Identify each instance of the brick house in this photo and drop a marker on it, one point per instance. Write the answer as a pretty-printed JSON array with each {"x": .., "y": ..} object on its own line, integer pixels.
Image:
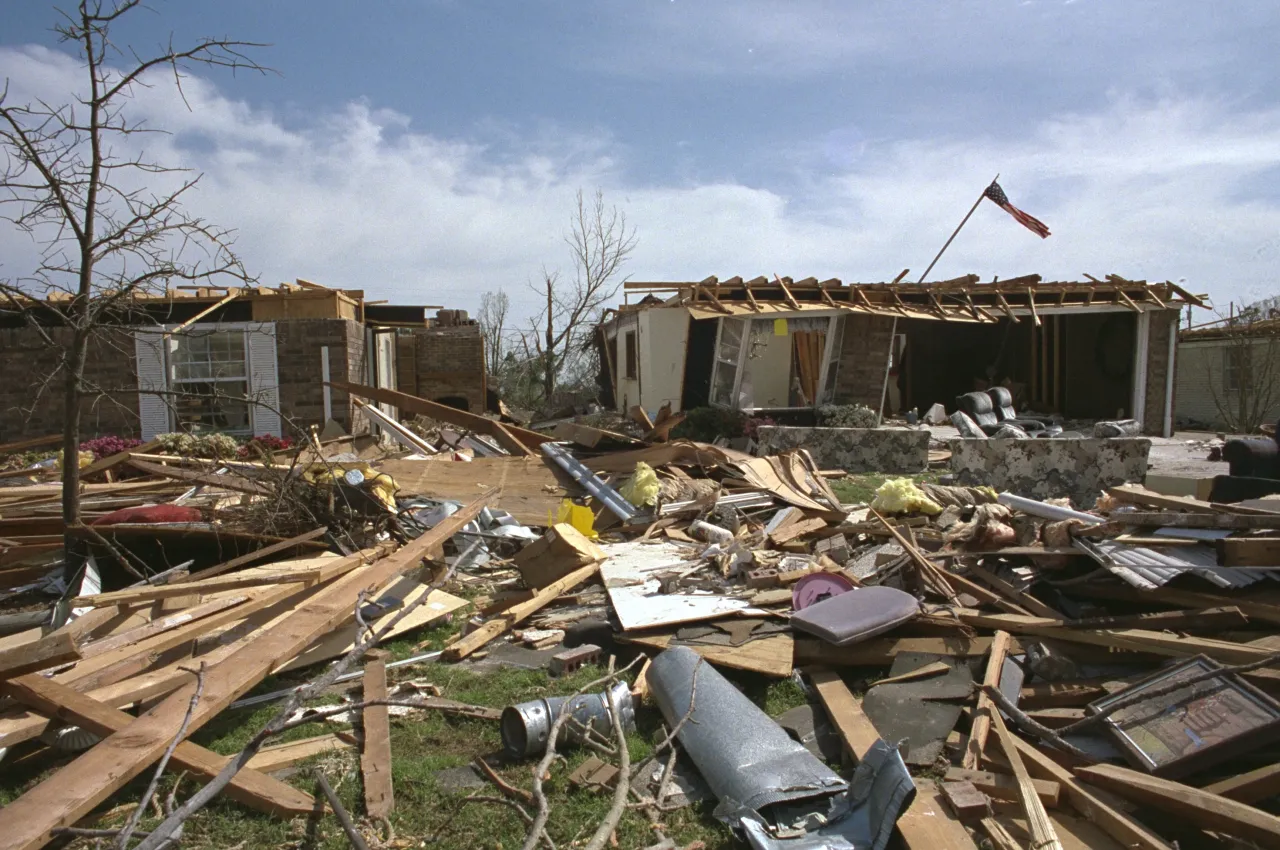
[
  {"x": 1087, "y": 350},
  {"x": 251, "y": 364},
  {"x": 1233, "y": 365}
]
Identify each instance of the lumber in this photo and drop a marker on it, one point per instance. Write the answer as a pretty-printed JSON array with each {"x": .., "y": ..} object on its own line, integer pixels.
[
  {"x": 73, "y": 791},
  {"x": 927, "y": 824},
  {"x": 1249, "y": 787},
  {"x": 524, "y": 438},
  {"x": 1201, "y": 619},
  {"x": 1194, "y": 805},
  {"x": 1124, "y": 829},
  {"x": 1136, "y": 494},
  {"x": 1002, "y": 786},
  {"x": 257, "y": 555},
  {"x": 33, "y": 443},
  {"x": 280, "y": 756},
  {"x": 226, "y": 482},
  {"x": 518, "y": 613},
  {"x": 375, "y": 757},
  {"x": 998, "y": 835},
  {"x": 982, "y": 720},
  {"x": 249, "y": 786},
  {"x": 1249, "y": 551},
  {"x": 50, "y": 650},
  {"x": 1024, "y": 599},
  {"x": 151, "y": 592},
  {"x": 1208, "y": 520},
  {"x": 1042, "y": 831},
  {"x": 159, "y": 625},
  {"x": 797, "y": 529}
]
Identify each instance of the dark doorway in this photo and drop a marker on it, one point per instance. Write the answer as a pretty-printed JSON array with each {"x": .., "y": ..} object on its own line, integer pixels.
[
  {"x": 699, "y": 358},
  {"x": 455, "y": 401}
]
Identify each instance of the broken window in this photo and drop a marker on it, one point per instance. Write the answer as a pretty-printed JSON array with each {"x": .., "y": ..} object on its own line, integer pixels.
[
  {"x": 629, "y": 356},
  {"x": 728, "y": 350},
  {"x": 209, "y": 375}
]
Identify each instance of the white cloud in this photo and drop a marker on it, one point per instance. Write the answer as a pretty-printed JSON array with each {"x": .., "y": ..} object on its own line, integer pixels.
[{"x": 358, "y": 198}]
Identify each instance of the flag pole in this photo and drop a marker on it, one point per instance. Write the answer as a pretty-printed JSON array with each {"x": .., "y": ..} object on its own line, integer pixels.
[{"x": 893, "y": 333}]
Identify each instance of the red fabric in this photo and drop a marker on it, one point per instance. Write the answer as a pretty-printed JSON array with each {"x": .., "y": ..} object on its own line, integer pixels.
[{"x": 150, "y": 514}]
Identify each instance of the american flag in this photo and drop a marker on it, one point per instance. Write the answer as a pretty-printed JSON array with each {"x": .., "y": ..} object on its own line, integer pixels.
[{"x": 1030, "y": 222}]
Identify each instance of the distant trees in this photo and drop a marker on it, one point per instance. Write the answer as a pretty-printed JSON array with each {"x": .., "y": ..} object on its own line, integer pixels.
[{"x": 555, "y": 350}]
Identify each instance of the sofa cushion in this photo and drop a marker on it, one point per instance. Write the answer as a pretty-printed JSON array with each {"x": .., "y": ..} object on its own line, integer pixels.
[{"x": 862, "y": 613}]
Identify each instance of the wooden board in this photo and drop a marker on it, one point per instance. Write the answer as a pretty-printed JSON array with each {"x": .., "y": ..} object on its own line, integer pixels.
[
  {"x": 882, "y": 651},
  {"x": 249, "y": 786},
  {"x": 1002, "y": 786},
  {"x": 769, "y": 656},
  {"x": 1249, "y": 787},
  {"x": 92, "y": 777},
  {"x": 927, "y": 824},
  {"x": 982, "y": 720},
  {"x": 56, "y": 648},
  {"x": 531, "y": 490},
  {"x": 1124, "y": 829},
  {"x": 280, "y": 756},
  {"x": 375, "y": 756},
  {"x": 1197, "y": 806},
  {"x": 1249, "y": 551}
]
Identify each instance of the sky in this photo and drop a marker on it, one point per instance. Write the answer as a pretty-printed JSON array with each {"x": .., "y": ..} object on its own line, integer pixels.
[{"x": 428, "y": 151}]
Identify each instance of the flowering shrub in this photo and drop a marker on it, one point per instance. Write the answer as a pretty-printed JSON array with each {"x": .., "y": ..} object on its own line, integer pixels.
[
  {"x": 751, "y": 426},
  {"x": 268, "y": 443},
  {"x": 108, "y": 445},
  {"x": 217, "y": 446}
]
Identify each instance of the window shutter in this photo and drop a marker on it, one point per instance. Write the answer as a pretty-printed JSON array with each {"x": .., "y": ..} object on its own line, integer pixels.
[
  {"x": 264, "y": 381},
  {"x": 153, "y": 410}
]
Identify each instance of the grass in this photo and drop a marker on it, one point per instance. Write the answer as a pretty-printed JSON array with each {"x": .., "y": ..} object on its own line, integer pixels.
[
  {"x": 422, "y": 743},
  {"x": 861, "y": 488}
]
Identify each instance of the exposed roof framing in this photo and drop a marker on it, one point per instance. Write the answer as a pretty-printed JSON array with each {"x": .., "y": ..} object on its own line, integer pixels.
[{"x": 962, "y": 299}]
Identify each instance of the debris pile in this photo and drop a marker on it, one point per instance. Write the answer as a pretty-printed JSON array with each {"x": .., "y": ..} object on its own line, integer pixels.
[{"x": 1000, "y": 669}]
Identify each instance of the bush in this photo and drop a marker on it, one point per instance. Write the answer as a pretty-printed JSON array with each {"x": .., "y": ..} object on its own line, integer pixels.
[
  {"x": 268, "y": 442},
  {"x": 108, "y": 445},
  {"x": 705, "y": 424},
  {"x": 846, "y": 416},
  {"x": 215, "y": 446}
]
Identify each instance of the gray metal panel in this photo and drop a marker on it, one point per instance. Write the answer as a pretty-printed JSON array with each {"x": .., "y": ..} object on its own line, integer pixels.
[{"x": 1148, "y": 567}]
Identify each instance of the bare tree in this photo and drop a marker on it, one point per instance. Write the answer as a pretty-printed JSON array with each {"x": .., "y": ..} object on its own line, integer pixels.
[
  {"x": 109, "y": 222},
  {"x": 493, "y": 324},
  {"x": 1245, "y": 383},
  {"x": 600, "y": 243}
]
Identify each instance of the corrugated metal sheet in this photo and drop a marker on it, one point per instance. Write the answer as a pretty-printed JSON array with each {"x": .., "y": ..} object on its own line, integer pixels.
[{"x": 1149, "y": 568}]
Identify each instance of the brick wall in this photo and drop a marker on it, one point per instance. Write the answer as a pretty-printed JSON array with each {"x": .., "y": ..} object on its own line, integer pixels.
[
  {"x": 299, "y": 344},
  {"x": 446, "y": 363},
  {"x": 862, "y": 359},
  {"x": 28, "y": 410},
  {"x": 1164, "y": 324}
]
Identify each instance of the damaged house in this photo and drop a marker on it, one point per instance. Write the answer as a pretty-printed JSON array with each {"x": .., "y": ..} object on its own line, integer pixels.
[
  {"x": 1230, "y": 374},
  {"x": 1087, "y": 350},
  {"x": 235, "y": 360}
]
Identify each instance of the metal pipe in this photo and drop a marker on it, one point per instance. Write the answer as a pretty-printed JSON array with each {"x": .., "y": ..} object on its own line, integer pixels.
[
  {"x": 526, "y": 727},
  {"x": 590, "y": 482},
  {"x": 1040, "y": 509}
]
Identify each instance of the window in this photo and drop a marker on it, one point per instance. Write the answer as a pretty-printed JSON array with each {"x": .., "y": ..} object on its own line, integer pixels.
[
  {"x": 208, "y": 372},
  {"x": 728, "y": 350},
  {"x": 630, "y": 355},
  {"x": 1237, "y": 364}
]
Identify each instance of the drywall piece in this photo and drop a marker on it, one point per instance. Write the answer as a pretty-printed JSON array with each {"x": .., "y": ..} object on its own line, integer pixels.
[{"x": 631, "y": 574}]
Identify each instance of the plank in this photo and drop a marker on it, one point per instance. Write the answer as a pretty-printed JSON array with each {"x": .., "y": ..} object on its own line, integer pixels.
[
  {"x": 1219, "y": 520},
  {"x": 92, "y": 777},
  {"x": 1024, "y": 599},
  {"x": 1255, "y": 608},
  {"x": 1043, "y": 834},
  {"x": 531, "y": 490},
  {"x": 882, "y": 651},
  {"x": 525, "y": 439},
  {"x": 1249, "y": 787},
  {"x": 518, "y": 613},
  {"x": 33, "y": 443},
  {"x": 982, "y": 720},
  {"x": 280, "y": 756},
  {"x": 159, "y": 625},
  {"x": 797, "y": 529},
  {"x": 228, "y": 481},
  {"x": 55, "y": 648},
  {"x": 768, "y": 656},
  {"x": 149, "y": 593},
  {"x": 1194, "y": 805},
  {"x": 249, "y": 786},
  {"x": 1124, "y": 829},
  {"x": 1136, "y": 494},
  {"x": 257, "y": 555},
  {"x": 1198, "y": 619},
  {"x": 1249, "y": 551},
  {"x": 927, "y": 824},
  {"x": 112, "y": 461},
  {"x": 1002, "y": 786},
  {"x": 375, "y": 757}
]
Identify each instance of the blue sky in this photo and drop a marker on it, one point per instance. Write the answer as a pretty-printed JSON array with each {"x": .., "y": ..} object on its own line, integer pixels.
[{"x": 429, "y": 150}]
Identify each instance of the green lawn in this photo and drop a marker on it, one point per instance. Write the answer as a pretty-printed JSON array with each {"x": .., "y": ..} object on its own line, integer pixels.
[{"x": 861, "y": 488}]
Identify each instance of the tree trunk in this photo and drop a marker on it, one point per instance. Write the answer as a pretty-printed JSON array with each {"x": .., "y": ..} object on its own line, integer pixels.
[
  {"x": 73, "y": 542},
  {"x": 549, "y": 367}
]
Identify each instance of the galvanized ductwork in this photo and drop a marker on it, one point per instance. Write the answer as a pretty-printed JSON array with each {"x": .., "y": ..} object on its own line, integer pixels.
[
  {"x": 527, "y": 726},
  {"x": 770, "y": 787}
]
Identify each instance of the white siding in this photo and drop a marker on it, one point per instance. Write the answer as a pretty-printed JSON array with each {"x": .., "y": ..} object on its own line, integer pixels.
[
  {"x": 1200, "y": 379},
  {"x": 264, "y": 381},
  {"x": 153, "y": 410},
  {"x": 664, "y": 335}
]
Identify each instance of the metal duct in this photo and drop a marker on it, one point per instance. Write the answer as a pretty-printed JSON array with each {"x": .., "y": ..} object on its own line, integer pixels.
[
  {"x": 751, "y": 765},
  {"x": 527, "y": 726}
]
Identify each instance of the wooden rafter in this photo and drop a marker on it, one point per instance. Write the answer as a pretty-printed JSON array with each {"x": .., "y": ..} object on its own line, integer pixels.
[
  {"x": 715, "y": 302},
  {"x": 826, "y": 296},
  {"x": 755, "y": 305},
  {"x": 1120, "y": 296},
  {"x": 1004, "y": 305},
  {"x": 900, "y": 306},
  {"x": 901, "y": 275},
  {"x": 1031, "y": 302},
  {"x": 786, "y": 293},
  {"x": 938, "y": 308}
]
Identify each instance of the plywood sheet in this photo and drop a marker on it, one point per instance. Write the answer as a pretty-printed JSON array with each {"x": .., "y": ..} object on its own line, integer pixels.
[
  {"x": 630, "y": 574},
  {"x": 770, "y": 656},
  {"x": 531, "y": 490}
]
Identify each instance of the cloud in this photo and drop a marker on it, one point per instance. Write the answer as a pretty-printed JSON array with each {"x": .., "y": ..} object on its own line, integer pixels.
[{"x": 357, "y": 197}]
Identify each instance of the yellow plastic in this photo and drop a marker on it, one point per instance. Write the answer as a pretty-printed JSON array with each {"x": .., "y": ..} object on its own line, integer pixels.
[
  {"x": 579, "y": 516},
  {"x": 643, "y": 487},
  {"x": 380, "y": 484}
]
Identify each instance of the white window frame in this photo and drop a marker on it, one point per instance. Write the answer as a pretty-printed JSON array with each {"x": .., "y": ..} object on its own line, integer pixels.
[
  {"x": 832, "y": 316},
  {"x": 261, "y": 420}
]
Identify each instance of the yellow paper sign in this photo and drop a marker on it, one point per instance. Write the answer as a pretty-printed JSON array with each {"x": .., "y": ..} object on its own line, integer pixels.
[{"x": 779, "y": 327}]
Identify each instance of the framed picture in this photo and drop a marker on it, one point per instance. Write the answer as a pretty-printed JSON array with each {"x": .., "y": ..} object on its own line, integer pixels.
[{"x": 1191, "y": 728}]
